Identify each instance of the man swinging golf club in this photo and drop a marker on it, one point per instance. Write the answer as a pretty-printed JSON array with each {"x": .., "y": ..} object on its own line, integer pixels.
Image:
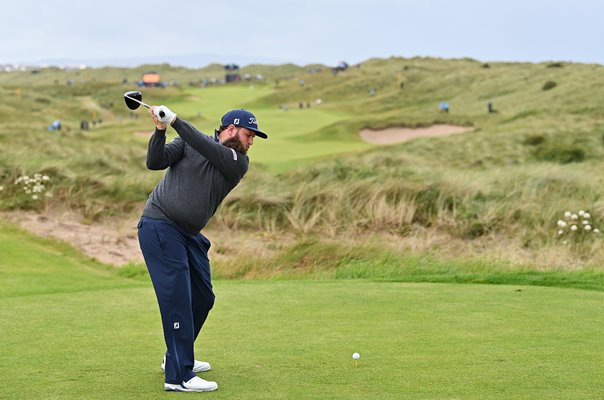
[{"x": 201, "y": 171}]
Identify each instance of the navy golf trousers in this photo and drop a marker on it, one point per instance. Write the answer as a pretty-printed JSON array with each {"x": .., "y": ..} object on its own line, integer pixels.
[{"x": 180, "y": 271}]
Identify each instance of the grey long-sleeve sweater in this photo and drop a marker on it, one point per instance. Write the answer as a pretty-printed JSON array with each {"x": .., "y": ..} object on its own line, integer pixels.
[{"x": 201, "y": 172}]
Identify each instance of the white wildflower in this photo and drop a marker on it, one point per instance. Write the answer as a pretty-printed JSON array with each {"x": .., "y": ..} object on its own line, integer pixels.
[
  {"x": 587, "y": 227},
  {"x": 581, "y": 212},
  {"x": 560, "y": 232},
  {"x": 587, "y": 216},
  {"x": 45, "y": 178},
  {"x": 585, "y": 222},
  {"x": 596, "y": 230},
  {"x": 1, "y": 188},
  {"x": 561, "y": 223},
  {"x": 567, "y": 214},
  {"x": 573, "y": 227},
  {"x": 574, "y": 216}
]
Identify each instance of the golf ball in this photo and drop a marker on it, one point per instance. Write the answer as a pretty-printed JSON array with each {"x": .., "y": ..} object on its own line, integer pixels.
[{"x": 356, "y": 356}]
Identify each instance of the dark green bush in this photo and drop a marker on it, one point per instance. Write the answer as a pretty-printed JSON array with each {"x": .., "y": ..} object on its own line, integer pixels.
[
  {"x": 549, "y": 85},
  {"x": 426, "y": 201},
  {"x": 534, "y": 140},
  {"x": 555, "y": 65},
  {"x": 475, "y": 230},
  {"x": 560, "y": 153}
]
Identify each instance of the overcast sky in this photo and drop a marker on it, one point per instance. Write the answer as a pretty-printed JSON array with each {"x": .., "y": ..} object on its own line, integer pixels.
[{"x": 302, "y": 32}]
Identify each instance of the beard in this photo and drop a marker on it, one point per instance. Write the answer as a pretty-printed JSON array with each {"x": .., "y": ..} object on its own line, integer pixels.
[{"x": 235, "y": 144}]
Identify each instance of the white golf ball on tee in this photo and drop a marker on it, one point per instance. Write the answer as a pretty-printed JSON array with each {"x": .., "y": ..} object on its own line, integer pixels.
[{"x": 356, "y": 356}]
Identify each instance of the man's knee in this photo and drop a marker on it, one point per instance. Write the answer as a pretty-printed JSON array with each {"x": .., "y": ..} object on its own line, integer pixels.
[
  {"x": 210, "y": 301},
  {"x": 204, "y": 304}
]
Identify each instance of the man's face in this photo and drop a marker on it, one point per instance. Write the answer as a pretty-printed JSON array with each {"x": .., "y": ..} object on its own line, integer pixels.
[{"x": 240, "y": 140}]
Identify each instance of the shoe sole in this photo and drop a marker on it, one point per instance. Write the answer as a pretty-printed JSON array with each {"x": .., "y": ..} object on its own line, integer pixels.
[{"x": 169, "y": 387}]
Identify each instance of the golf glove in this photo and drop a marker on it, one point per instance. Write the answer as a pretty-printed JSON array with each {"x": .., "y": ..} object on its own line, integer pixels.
[{"x": 164, "y": 114}]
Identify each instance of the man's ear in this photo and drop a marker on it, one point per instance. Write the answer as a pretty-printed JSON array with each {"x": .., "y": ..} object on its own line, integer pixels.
[{"x": 232, "y": 130}]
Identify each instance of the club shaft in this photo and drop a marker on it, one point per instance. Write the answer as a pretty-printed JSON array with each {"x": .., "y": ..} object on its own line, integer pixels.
[
  {"x": 161, "y": 113},
  {"x": 139, "y": 102}
]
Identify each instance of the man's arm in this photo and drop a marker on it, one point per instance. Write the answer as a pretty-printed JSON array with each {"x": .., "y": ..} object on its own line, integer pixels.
[
  {"x": 161, "y": 155},
  {"x": 232, "y": 164}
]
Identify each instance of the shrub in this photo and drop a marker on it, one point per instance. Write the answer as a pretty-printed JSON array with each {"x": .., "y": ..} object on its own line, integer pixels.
[
  {"x": 534, "y": 140},
  {"x": 549, "y": 85},
  {"x": 476, "y": 230},
  {"x": 560, "y": 153},
  {"x": 26, "y": 192},
  {"x": 555, "y": 65},
  {"x": 576, "y": 226}
]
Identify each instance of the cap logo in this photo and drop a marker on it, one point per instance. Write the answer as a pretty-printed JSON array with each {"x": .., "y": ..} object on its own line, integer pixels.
[
  {"x": 236, "y": 121},
  {"x": 253, "y": 121}
]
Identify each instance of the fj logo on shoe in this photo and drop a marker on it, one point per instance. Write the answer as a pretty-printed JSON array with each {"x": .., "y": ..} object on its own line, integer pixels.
[{"x": 176, "y": 325}]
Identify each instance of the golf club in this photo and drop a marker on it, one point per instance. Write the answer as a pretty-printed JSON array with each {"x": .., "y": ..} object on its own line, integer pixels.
[{"x": 134, "y": 99}]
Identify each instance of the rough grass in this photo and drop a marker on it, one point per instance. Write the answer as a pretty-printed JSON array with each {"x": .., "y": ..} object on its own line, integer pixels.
[{"x": 315, "y": 177}]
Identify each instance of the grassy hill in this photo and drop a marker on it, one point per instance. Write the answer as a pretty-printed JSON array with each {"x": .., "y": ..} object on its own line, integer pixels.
[{"x": 493, "y": 194}]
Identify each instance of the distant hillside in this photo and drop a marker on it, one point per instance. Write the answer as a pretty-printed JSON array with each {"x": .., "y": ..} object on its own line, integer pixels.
[
  {"x": 114, "y": 75},
  {"x": 498, "y": 190}
]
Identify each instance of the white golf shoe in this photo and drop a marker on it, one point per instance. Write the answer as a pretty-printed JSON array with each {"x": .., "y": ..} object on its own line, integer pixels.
[
  {"x": 199, "y": 366},
  {"x": 195, "y": 384}
]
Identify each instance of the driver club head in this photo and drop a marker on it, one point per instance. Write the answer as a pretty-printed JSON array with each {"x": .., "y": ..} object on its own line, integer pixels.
[{"x": 133, "y": 99}]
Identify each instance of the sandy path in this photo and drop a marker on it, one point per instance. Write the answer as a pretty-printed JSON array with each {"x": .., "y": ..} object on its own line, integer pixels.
[
  {"x": 399, "y": 135},
  {"x": 113, "y": 242}
]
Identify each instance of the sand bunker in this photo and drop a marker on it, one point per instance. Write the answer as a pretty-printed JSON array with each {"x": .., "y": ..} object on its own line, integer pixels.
[{"x": 399, "y": 135}]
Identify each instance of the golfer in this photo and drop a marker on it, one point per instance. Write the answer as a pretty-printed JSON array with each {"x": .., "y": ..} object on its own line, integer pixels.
[{"x": 202, "y": 170}]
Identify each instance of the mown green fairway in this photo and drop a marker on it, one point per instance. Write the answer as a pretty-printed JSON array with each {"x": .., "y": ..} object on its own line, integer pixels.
[
  {"x": 99, "y": 336},
  {"x": 289, "y": 131}
]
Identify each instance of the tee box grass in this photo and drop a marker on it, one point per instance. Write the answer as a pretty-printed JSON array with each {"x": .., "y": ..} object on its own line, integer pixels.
[{"x": 86, "y": 332}]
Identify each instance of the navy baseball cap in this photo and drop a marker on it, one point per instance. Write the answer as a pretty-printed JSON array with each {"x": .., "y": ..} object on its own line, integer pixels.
[{"x": 244, "y": 119}]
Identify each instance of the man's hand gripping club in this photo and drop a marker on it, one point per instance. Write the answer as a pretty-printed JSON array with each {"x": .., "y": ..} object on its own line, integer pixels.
[{"x": 162, "y": 116}]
